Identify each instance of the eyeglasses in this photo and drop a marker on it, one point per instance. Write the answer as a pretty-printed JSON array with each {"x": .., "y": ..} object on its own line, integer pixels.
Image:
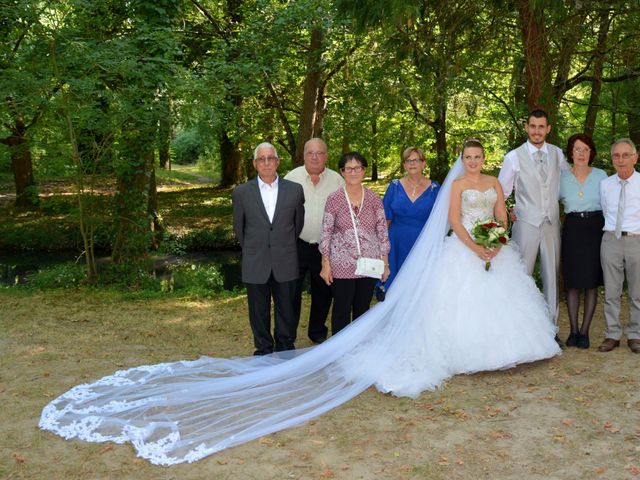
[
  {"x": 270, "y": 159},
  {"x": 316, "y": 154},
  {"x": 412, "y": 161},
  {"x": 357, "y": 169},
  {"x": 624, "y": 156},
  {"x": 581, "y": 150}
]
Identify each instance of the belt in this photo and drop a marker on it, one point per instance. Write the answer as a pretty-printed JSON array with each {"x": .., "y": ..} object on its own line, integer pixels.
[{"x": 595, "y": 213}]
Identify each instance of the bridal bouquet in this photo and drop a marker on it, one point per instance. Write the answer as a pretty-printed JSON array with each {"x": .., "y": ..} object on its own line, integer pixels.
[{"x": 489, "y": 234}]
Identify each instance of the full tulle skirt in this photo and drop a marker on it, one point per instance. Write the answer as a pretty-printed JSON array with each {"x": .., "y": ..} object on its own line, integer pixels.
[{"x": 473, "y": 320}]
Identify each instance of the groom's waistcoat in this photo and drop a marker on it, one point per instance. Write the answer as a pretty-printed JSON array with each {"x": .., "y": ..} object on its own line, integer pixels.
[{"x": 537, "y": 199}]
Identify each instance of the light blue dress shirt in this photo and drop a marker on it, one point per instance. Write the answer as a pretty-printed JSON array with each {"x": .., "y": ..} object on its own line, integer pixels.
[{"x": 581, "y": 197}]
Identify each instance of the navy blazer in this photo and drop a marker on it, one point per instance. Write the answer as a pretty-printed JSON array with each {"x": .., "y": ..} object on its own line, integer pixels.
[{"x": 268, "y": 246}]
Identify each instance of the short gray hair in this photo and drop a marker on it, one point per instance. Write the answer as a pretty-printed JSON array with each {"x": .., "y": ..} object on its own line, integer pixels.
[
  {"x": 627, "y": 141},
  {"x": 315, "y": 139},
  {"x": 264, "y": 145}
]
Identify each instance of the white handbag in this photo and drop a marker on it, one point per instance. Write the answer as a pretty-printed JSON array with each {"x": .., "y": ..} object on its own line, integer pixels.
[
  {"x": 367, "y": 267},
  {"x": 370, "y": 267}
]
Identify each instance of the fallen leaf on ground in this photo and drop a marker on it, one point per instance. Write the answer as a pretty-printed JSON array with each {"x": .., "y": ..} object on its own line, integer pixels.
[
  {"x": 610, "y": 428},
  {"x": 19, "y": 458}
]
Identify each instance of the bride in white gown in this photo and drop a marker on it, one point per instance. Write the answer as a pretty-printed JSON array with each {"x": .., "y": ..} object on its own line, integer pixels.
[{"x": 444, "y": 315}]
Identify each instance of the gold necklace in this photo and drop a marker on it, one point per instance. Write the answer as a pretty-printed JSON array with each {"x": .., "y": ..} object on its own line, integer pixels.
[{"x": 581, "y": 183}]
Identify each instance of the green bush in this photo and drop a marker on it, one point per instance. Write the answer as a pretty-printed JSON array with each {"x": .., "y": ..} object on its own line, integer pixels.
[
  {"x": 133, "y": 277},
  {"x": 186, "y": 147},
  {"x": 64, "y": 275},
  {"x": 197, "y": 240},
  {"x": 201, "y": 279}
]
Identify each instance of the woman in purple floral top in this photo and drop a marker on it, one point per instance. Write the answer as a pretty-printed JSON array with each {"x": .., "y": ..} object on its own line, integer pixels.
[{"x": 352, "y": 293}]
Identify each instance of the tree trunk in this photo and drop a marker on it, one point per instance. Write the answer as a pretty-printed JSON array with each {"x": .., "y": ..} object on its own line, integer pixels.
[
  {"x": 439, "y": 170},
  {"x": 632, "y": 90},
  {"x": 596, "y": 85},
  {"x": 22, "y": 166},
  {"x": 152, "y": 210},
  {"x": 231, "y": 158},
  {"x": 374, "y": 149},
  {"x": 311, "y": 97},
  {"x": 133, "y": 224},
  {"x": 164, "y": 136},
  {"x": 441, "y": 166},
  {"x": 537, "y": 71}
]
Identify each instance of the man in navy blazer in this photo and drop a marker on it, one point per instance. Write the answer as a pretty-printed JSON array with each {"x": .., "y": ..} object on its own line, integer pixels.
[{"x": 268, "y": 216}]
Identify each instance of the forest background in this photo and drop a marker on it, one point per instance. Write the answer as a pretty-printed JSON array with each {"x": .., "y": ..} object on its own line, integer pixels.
[{"x": 100, "y": 99}]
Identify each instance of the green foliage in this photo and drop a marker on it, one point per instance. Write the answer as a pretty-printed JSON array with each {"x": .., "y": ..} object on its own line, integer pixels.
[
  {"x": 187, "y": 147},
  {"x": 98, "y": 76},
  {"x": 65, "y": 275},
  {"x": 203, "y": 280},
  {"x": 193, "y": 280},
  {"x": 198, "y": 240}
]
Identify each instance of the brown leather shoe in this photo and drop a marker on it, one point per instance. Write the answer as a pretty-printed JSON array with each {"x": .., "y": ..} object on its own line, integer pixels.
[
  {"x": 634, "y": 345},
  {"x": 609, "y": 344}
]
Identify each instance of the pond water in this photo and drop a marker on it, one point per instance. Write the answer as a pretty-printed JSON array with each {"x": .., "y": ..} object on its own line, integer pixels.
[{"x": 17, "y": 267}]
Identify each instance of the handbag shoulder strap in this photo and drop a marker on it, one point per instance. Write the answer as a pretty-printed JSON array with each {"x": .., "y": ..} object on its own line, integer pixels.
[{"x": 353, "y": 218}]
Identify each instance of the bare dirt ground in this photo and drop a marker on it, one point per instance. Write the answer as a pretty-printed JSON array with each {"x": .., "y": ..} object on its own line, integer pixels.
[{"x": 575, "y": 416}]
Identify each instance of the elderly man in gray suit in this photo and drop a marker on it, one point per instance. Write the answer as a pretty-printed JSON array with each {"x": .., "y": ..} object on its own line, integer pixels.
[
  {"x": 533, "y": 172},
  {"x": 268, "y": 216}
]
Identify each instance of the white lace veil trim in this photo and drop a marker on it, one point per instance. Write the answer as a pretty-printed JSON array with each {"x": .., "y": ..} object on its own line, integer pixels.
[{"x": 183, "y": 411}]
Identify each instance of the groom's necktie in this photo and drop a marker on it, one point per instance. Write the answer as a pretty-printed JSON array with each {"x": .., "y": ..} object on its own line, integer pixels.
[
  {"x": 541, "y": 163},
  {"x": 621, "y": 201}
]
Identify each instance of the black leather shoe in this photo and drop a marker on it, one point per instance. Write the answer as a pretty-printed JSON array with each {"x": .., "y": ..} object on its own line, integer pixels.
[
  {"x": 572, "y": 340},
  {"x": 560, "y": 342},
  {"x": 583, "y": 341}
]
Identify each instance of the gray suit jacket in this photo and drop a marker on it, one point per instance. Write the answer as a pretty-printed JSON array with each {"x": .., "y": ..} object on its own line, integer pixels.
[{"x": 268, "y": 247}]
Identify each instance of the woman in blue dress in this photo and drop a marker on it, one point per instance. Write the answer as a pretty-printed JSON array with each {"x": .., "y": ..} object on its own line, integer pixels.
[{"x": 407, "y": 205}]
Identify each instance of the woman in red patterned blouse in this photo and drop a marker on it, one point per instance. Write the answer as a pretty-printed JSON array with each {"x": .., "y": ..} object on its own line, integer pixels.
[{"x": 352, "y": 293}]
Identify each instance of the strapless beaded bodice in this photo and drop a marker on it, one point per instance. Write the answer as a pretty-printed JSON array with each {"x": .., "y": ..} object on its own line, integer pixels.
[{"x": 477, "y": 205}]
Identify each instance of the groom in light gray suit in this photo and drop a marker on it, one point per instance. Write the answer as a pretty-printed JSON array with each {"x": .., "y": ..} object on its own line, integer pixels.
[
  {"x": 268, "y": 216},
  {"x": 533, "y": 171}
]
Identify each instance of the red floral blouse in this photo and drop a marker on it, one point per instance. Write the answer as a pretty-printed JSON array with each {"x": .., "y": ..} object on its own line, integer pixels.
[{"x": 338, "y": 241}]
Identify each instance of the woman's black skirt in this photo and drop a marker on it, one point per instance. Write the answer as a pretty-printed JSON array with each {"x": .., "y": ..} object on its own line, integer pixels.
[{"x": 580, "y": 254}]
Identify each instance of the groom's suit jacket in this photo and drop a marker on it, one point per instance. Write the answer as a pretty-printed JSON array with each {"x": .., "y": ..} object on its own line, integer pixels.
[{"x": 268, "y": 247}]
